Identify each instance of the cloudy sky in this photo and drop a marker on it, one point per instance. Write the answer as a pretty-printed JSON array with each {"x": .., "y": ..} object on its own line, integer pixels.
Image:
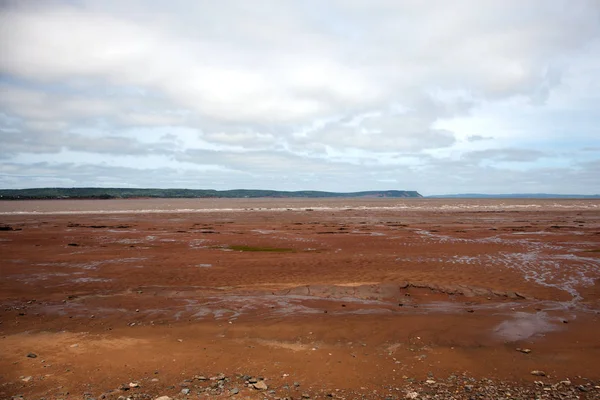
[{"x": 343, "y": 95}]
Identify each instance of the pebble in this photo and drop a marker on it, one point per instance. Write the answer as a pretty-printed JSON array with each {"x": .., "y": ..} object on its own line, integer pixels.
[
  {"x": 538, "y": 373},
  {"x": 134, "y": 385},
  {"x": 185, "y": 391},
  {"x": 27, "y": 378},
  {"x": 163, "y": 398},
  {"x": 235, "y": 391},
  {"x": 526, "y": 351},
  {"x": 32, "y": 355},
  {"x": 260, "y": 385}
]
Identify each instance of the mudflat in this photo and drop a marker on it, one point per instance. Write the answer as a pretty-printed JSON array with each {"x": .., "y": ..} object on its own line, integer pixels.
[{"x": 342, "y": 298}]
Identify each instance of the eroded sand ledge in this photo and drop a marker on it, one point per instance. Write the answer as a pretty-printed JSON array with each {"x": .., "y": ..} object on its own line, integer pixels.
[{"x": 361, "y": 296}]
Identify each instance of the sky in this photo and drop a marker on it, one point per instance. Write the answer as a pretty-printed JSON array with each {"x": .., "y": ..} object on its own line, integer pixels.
[{"x": 465, "y": 96}]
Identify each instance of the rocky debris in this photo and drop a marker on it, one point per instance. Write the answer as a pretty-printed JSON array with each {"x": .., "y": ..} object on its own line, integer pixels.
[
  {"x": 134, "y": 385},
  {"x": 32, "y": 355},
  {"x": 538, "y": 373},
  {"x": 456, "y": 387}
]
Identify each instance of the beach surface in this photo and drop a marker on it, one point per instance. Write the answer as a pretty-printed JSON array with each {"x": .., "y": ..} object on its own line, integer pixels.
[{"x": 321, "y": 298}]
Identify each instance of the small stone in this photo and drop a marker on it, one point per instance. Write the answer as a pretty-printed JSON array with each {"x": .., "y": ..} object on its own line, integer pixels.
[
  {"x": 538, "y": 373},
  {"x": 27, "y": 378},
  {"x": 163, "y": 398},
  {"x": 235, "y": 391},
  {"x": 305, "y": 396},
  {"x": 32, "y": 355},
  {"x": 134, "y": 385},
  {"x": 260, "y": 385},
  {"x": 296, "y": 384},
  {"x": 526, "y": 351},
  {"x": 412, "y": 395},
  {"x": 185, "y": 391},
  {"x": 154, "y": 380},
  {"x": 430, "y": 382},
  {"x": 74, "y": 345}
]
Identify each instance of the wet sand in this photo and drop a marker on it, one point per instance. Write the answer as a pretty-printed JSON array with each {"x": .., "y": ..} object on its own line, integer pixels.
[{"x": 370, "y": 297}]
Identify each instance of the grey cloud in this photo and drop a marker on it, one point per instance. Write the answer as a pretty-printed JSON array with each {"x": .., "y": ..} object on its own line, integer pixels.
[
  {"x": 43, "y": 142},
  {"x": 476, "y": 138},
  {"x": 509, "y": 155}
]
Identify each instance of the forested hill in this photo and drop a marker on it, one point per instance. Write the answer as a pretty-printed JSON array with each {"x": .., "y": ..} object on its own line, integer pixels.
[{"x": 124, "y": 193}]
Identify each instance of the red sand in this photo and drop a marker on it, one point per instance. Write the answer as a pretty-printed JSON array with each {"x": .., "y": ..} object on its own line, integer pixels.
[{"x": 348, "y": 294}]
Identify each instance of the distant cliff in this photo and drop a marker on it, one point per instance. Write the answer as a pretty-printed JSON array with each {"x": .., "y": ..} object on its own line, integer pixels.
[{"x": 124, "y": 193}]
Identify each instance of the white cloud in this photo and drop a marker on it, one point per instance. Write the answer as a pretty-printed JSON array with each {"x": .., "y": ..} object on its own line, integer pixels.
[{"x": 399, "y": 83}]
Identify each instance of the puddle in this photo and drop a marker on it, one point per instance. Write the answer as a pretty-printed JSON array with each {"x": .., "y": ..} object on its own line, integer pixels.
[{"x": 524, "y": 326}]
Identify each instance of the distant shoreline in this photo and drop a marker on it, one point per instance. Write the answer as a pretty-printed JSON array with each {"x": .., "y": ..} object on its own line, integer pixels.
[{"x": 125, "y": 193}]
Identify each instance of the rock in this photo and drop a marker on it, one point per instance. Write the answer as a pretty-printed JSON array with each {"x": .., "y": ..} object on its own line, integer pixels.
[
  {"x": 201, "y": 378},
  {"x": 538, "y": 373},
  {"x": 32, "y": 355},
  {"x": 526, "y": 351},
  {"x": 235, "y": 391},
  {"x": 430, "y": 382},
  {"x": 468, "y": 388},
  {"x": 260, "y": 385},
  {"x": 296, "y": 384},
  {"x": 185, "y": 391},
  {"x": 163, "y": 398},
  {"x": 27, "y": 378},
  {"x": 412, "y": 395},
  {"x": 134, "y": 385},
  {"x": 252, "y": 380},
  {"x": 305, "y": 396}
]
